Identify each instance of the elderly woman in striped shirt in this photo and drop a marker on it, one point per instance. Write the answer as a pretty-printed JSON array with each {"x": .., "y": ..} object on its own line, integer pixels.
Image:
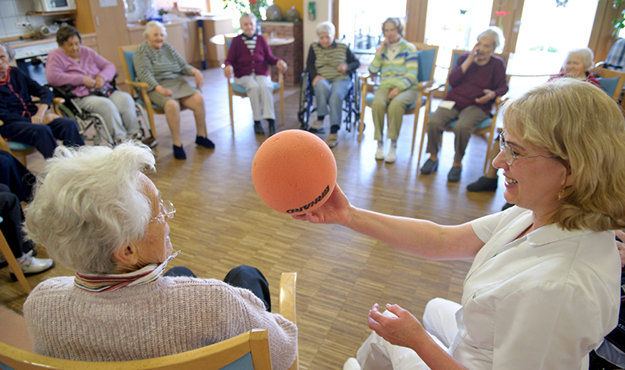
[
  {"x": 330, "y": 65},
  {"x": 159, "y": 65},
  {"x": 396, "y": 61}
]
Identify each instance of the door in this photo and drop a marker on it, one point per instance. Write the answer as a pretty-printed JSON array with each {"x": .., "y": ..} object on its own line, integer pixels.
[{"x": 109, "y": 23}]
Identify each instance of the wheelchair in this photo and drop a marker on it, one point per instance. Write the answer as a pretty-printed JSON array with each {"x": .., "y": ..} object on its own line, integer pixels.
[
  {"x": 351, "y": 104},
  {"x": 92, "y": 126}
]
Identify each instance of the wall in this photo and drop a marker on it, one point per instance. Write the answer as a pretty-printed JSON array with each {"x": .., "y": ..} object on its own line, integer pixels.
[
  {"x": 324, "y": 13},
  {"x": 14, "y": 11},
  {"x": 287, "y": 4}
]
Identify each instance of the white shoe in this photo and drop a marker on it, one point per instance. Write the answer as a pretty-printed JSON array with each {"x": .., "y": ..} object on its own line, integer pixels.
[
  {"x": 351, "y": 364},
  {"x": 379, "y": 154},
  {"x": 31, "y": 265},
  {"x": 392, "y": 155},
  {"x": 332, "y": 140},
  {"x": 317, "y": 126}
]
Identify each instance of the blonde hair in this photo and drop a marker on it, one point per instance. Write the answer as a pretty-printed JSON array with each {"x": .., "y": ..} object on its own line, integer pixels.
[{"x": 581, "y": 125}]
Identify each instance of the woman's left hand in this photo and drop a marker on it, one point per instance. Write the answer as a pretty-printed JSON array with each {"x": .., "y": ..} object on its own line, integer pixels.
[
  {"x": 393, "y": 93},
  {"x": 403, "y": 330},
  {"x": 99, "y": 82},
  {"x": 199, "y": 78},
  {"x": 282, "y": 66}
]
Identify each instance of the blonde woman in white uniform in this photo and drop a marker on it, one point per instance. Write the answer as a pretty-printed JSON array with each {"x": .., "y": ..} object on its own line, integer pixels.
[{"x": 543, "y": 289}]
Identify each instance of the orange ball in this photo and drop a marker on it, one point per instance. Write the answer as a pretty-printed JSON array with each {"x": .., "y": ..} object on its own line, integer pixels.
[{"x": 294, "y": 172}]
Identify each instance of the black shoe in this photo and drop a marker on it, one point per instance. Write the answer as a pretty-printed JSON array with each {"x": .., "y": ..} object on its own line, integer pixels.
[
  {"x": 272, "y": 128},
  {"x": 454, "y": 174},
  {"x": 506, "y": 206},
  {"x": 429, "y": 166},
  {"x": 179, "y": 152},
  {"x": 205, "y": 142},
  {"x": 258, "y": 128},
  {"x": 483, "y": 184}
]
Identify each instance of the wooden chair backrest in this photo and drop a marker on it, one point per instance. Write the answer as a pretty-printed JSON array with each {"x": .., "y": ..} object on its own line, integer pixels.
[
  {"x": 125, "y": 54},
  {"x": 249, "y": 350},
  {"x": 611, "y": 82}
]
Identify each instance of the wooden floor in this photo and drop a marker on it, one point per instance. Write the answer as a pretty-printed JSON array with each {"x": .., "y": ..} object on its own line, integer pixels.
[{"x": 221, "y": 223}]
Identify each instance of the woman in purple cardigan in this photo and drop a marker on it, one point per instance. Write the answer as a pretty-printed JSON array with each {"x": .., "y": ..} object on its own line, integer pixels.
[
  {"x": 88, "y": 73},
  {"x": 248, "y": 57}
]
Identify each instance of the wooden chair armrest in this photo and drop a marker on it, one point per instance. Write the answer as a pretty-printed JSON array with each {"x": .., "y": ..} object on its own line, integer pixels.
[
  {"x": 280, "y": 78},
  {"x": 288, "y": 282},
  {"x": 425, "y": 84},
  {"x": 58, "y": 100},
  {"x": 434, "y": 88}
]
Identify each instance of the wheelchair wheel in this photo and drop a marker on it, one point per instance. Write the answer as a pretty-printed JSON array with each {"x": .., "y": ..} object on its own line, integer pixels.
[{"x": 304, "y": 111}]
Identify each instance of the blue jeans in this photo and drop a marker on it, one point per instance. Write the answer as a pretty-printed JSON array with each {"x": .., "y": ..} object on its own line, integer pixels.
[{"x": 332, "y": 94}]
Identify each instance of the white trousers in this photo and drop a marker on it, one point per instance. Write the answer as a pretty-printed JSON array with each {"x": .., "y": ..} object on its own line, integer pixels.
[
  {"x": 260, "y": 91},
  {"x": 439, "y": 320},
  {"x": 118, "y": 112}
]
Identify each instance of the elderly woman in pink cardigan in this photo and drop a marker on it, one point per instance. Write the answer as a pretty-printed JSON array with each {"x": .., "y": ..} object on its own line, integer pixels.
[
  {"x": 88, "y": 73},
  {"x": 248, "y": 57}
]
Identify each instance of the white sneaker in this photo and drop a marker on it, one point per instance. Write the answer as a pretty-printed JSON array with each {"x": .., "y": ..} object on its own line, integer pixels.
[
  {"x": 351, "y": 364},
  {"x": 332, "y": 140},
  {"x": 379, "y": 154},
  {"x": 392, "y": 155},
  {"x": 317, "y": 126},
  {"x": 32, "y": 265}
]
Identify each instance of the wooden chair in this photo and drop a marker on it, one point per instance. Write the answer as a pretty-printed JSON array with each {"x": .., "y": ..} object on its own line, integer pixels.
[
  {"x": 238, "y": 90},
  {"x": 8, "y": 255},
  {"x": 483, "y": 128},
  {"x": 611, "y": 82},
  {"x": 427, "y": 62},
  {"x": 246, "y": 351}
]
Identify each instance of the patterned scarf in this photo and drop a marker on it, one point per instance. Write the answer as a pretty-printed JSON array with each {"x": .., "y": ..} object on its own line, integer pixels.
[{"x": 107, "y": 283}]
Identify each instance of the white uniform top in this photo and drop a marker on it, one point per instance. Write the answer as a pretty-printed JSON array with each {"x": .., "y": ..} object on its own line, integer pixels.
[{"x": 540, "y": 302}]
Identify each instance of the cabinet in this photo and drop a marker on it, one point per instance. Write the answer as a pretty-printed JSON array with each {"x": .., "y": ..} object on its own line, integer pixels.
[{"x": 109, "y": 25}]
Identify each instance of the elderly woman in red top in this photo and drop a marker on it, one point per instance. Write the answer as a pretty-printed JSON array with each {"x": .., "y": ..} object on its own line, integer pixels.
[{"x": 248, "y": 57}]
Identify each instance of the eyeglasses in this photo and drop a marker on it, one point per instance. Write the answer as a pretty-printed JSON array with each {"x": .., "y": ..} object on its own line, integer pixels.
[
  {"x": 509, "y": 155},
  {"x": 167, "y": 210}
]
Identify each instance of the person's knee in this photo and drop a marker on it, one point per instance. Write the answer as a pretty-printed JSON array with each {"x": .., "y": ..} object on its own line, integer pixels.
[
  {"x": 172, "y": 106},
  {"x": 378, "y": 104}
]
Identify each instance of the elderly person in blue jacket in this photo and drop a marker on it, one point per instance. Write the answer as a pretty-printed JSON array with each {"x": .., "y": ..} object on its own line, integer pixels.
[
  {"x": 330, "y": 65},
  {"x": 26, "y": 122}
]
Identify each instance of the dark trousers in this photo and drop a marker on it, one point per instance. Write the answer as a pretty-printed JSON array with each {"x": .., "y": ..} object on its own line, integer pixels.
[
  {"x": 11, "y": 225},
  {"x": 14, "y": 175},
  {"x": 43, "y": 137},
  {"x": 246, "y": 277}
]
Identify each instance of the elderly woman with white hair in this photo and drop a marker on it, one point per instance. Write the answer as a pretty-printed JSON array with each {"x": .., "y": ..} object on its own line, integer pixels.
[
  {"x": 248, "y": 58},
  {"x": 97, "y": 212},
  {"x": 577, "y": 65},
  {"x": 330, "y": 65},
  {"x": 397, "y": 62},
  {"x": 543, "y": 289},
  {"x": 478, "y": 78},
  {"x": 159, "y": 65}
]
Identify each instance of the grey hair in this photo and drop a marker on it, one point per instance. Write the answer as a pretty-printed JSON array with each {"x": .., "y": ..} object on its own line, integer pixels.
[
  {"x": 584, "y": 53},
  {"x": 324, "y": 27},
  {"x": 9, "y": 50},
  {"x": 88, "y": 204},
  {"x": 152, "y": 24},
  {"x": 397, "y": 22},
  {"x": 249, "y": 15},
  {"x": 497, "y": 35}
]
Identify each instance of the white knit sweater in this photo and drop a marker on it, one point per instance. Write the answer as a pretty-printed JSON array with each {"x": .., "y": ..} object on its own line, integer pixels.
[{"x": 167, "y": 316}]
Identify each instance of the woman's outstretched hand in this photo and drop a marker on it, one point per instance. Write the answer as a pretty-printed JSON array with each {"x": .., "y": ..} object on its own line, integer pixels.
[{"x": 334, "y": 211}]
